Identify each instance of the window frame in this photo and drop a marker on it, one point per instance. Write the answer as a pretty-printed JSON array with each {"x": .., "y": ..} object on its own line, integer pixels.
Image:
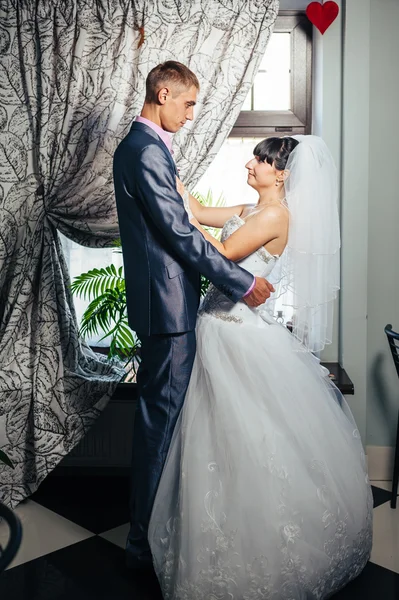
[{"x": 298, "y": 120}]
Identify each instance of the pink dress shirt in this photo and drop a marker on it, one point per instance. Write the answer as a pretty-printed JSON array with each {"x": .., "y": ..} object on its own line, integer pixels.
[{"x": 164, "y": 135}]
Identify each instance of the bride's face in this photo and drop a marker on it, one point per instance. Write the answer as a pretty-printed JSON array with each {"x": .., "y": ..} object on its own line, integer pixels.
[{"x": 260, "y": 174}]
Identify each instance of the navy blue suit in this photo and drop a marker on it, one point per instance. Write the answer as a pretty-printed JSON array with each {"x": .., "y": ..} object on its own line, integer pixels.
[{"x": 163, "y": 257}]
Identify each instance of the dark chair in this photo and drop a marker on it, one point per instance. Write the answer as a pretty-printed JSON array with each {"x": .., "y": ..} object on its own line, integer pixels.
[
  {"x": 15, "y": 537},
  {"x": 393, "y": 340}
]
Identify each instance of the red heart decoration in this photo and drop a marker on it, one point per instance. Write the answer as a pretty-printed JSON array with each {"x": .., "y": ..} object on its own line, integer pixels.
[{"x": 322, "y": 15}]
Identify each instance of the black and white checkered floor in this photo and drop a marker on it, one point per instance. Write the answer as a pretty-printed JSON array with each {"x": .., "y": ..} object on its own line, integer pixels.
[{"x": 75, "y": 530}]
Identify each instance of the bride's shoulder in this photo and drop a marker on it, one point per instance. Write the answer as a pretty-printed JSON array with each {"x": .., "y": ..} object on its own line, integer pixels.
[{"x": 277, "y": 212}]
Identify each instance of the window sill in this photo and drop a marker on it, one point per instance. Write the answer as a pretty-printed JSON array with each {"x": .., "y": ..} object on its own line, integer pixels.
[{"x": 341, "y": 378}]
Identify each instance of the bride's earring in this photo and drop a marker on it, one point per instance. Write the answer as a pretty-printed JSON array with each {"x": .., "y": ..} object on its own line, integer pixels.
[{"x": 281, "y": 180}]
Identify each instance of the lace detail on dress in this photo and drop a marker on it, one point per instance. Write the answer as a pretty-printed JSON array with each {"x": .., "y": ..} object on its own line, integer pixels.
[
  {"x": 226, "y": 317},
  {"x": 265, "y": 255},
  {"x": 213, "y": 300},
  {"x": 227, "y": 574},
  {"x": 215, "y": 303}
]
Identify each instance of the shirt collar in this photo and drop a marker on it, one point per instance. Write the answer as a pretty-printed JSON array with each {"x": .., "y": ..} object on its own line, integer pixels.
[{"x": 164, "y": 135}]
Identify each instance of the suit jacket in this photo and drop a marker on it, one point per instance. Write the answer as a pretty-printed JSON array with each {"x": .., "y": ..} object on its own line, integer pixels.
[{"x": 163, "y": 253}]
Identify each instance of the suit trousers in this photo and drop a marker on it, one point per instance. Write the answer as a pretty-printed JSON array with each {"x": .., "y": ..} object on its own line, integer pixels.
[{"x": 162, "y": 379}]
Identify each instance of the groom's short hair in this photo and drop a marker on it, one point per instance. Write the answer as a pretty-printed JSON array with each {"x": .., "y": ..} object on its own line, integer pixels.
[{"x": 170, "y": 72}]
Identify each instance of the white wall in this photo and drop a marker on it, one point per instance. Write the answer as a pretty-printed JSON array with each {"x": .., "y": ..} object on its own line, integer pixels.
[
  {"x": 369, "y": 212},
  {"x": 354, "y": 202},
  {"x": 326, "y": 117},
  {"x": 383, "y": 222}
]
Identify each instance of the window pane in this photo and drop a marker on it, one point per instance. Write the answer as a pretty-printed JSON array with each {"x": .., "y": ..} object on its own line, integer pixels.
[
  {"x": 227, "y": 176},
  {"x": 272, "y": 84},
  {"x": 247, "y": 101},
  {"x": 80, "y": 260}
]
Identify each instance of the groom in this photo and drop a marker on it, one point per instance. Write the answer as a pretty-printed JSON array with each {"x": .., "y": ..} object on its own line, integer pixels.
[{"x": 163, "y": 258}]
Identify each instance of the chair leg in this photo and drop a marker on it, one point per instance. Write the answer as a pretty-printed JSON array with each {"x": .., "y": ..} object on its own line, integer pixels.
[{"x": 395, "y": 476}]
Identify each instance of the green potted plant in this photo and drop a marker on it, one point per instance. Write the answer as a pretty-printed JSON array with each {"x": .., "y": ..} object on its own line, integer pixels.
[{"x": 107, "y": 313}]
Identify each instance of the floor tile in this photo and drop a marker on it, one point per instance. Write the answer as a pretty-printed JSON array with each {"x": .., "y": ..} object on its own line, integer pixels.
[
  {"x": 90, "y": 570},
  {"x": 374, "y": 583},
  {"x": 96, "y": 503},
  {"x": 43, "y": 531},
  {"x": 118, "y": 535},
  {"x": 386, "y": 537}
]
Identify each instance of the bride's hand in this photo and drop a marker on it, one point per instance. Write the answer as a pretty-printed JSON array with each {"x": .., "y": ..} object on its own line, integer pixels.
[
  {"x": 180, "y": 186},
  {"x": 185, "y": 195}
]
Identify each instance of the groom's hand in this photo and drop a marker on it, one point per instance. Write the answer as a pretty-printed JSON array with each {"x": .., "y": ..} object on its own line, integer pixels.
[{"x": 260, "y": 293}]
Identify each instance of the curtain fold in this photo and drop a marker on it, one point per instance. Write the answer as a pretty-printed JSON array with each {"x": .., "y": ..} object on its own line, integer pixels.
[{"x": 72, "y": 78}]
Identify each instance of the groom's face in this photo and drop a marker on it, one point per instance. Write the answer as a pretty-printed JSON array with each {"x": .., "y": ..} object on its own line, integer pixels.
[{"x": 177, "y": 106}]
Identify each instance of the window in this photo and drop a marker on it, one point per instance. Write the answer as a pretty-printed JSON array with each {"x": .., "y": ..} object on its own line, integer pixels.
[{"x": 280, "y": 98}]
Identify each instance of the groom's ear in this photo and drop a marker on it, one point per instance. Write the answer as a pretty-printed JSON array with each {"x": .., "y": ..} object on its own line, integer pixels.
[{"x": 162, "y": 95}]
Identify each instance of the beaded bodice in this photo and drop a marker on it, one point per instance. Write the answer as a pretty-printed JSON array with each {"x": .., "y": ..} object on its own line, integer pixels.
[{"x": 259, "y": 263}]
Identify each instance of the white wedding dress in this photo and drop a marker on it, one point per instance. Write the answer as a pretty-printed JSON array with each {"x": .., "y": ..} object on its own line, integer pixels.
[{"x": 265, "y": 493}]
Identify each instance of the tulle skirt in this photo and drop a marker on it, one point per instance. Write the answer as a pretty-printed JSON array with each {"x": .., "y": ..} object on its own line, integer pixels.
[{"x": 265, "y": 493}]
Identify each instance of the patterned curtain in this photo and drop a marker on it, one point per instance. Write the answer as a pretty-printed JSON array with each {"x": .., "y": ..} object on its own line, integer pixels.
[{"x": 72, "y": 77}]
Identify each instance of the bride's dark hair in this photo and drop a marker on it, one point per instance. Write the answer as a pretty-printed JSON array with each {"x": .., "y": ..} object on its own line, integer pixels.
[{"x": 275, "y": 150}]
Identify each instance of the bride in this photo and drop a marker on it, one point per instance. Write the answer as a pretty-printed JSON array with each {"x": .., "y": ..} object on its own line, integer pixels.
[{"x": 265, "y": 493}]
